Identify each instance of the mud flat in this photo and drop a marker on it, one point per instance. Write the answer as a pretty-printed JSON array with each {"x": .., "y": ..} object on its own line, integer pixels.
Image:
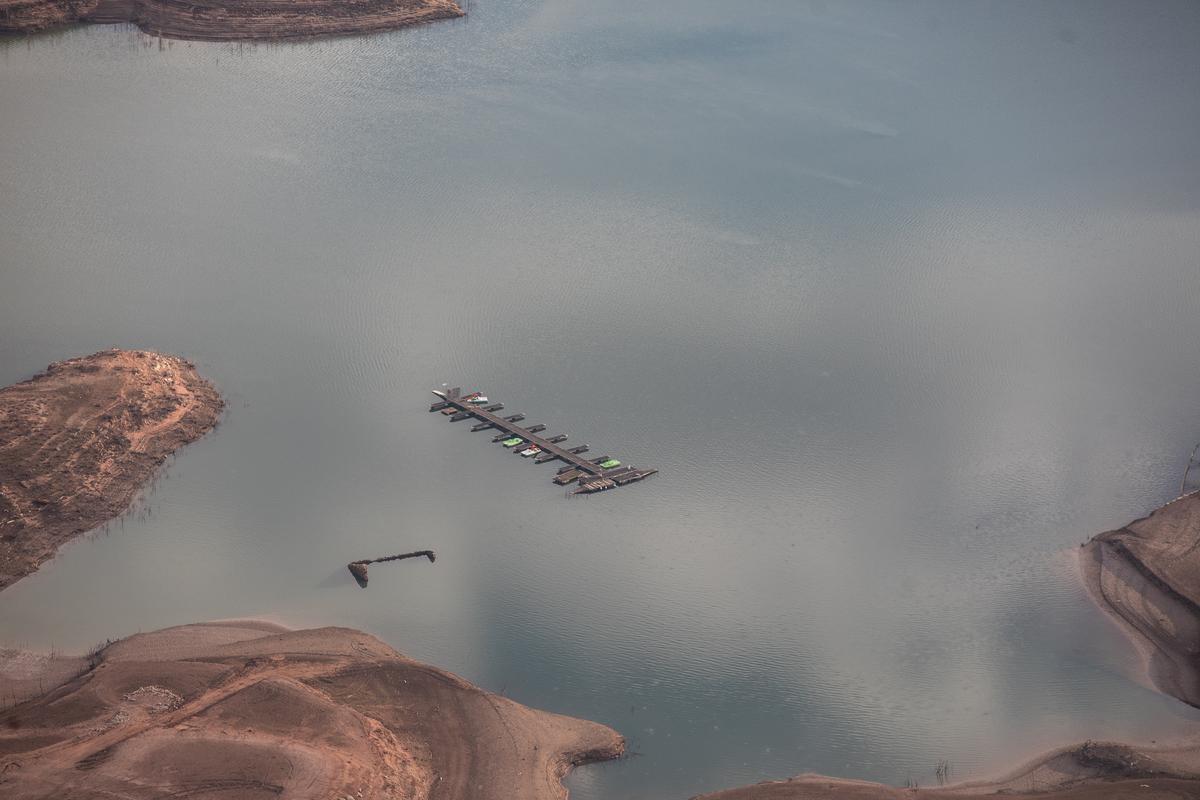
[
  {"x": 225, "y": 20},
  {"x": 251, "y": 710},
  {"x": 78, "y": 440}
]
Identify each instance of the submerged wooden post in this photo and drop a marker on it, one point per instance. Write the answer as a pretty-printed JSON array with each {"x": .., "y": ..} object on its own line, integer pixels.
[{"x": 359, "y": 568}]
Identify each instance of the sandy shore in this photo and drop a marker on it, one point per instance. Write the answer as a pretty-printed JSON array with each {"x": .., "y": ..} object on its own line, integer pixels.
[
  {"x": 251, "y": 710},
  {"x": 80, "y": 439},
  {"x": 223, "y": 20}
]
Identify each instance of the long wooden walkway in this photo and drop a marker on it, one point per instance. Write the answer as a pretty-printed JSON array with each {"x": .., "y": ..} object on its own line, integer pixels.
[
  {"x": 500, "y": 423},
  {"x": 591, "y": 476}
]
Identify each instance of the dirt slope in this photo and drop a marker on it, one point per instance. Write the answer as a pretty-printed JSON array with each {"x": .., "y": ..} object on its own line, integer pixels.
[
  {"x": 251, "y": 710},
  {"x": 78, "y": 440},
  {"x": 1147, "y": 575}
]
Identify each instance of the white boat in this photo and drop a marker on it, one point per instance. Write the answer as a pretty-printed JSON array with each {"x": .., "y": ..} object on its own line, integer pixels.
[{"x": 531, "y": 451}]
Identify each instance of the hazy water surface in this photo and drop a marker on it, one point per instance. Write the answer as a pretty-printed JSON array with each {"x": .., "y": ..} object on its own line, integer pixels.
[{"x": 901, "y": 299}]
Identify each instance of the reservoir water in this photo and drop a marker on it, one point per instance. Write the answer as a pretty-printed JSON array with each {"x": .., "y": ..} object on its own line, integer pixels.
[{"x": 901, "y": 300}]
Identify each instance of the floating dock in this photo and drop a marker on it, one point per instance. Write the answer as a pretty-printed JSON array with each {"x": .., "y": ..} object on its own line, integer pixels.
[{"x": 591, "y": 476}]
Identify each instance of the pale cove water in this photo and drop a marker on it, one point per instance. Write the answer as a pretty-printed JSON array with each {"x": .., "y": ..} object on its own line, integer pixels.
[{"x": 901, "y": 300}]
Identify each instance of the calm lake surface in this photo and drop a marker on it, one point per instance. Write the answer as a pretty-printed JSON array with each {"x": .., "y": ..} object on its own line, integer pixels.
[{"x": 902, "y": 300}]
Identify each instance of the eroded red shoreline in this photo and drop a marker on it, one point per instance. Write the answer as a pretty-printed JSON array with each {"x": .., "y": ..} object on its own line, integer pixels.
[
  {"x": 228, "y": 20},
  {"x": 79, "y": 440}
]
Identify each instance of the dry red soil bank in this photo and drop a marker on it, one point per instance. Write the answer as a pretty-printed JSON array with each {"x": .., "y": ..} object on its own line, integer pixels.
[
  {"x": 217, "y": 20},
  {"x": 250, "y": 710},
  {"x": 78, "y": 440}
]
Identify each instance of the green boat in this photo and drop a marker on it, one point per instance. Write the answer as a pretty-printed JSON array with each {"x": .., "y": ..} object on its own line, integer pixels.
[
  {"x": 513, "y": 442},
  {"x": 612, "y": 462}
]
